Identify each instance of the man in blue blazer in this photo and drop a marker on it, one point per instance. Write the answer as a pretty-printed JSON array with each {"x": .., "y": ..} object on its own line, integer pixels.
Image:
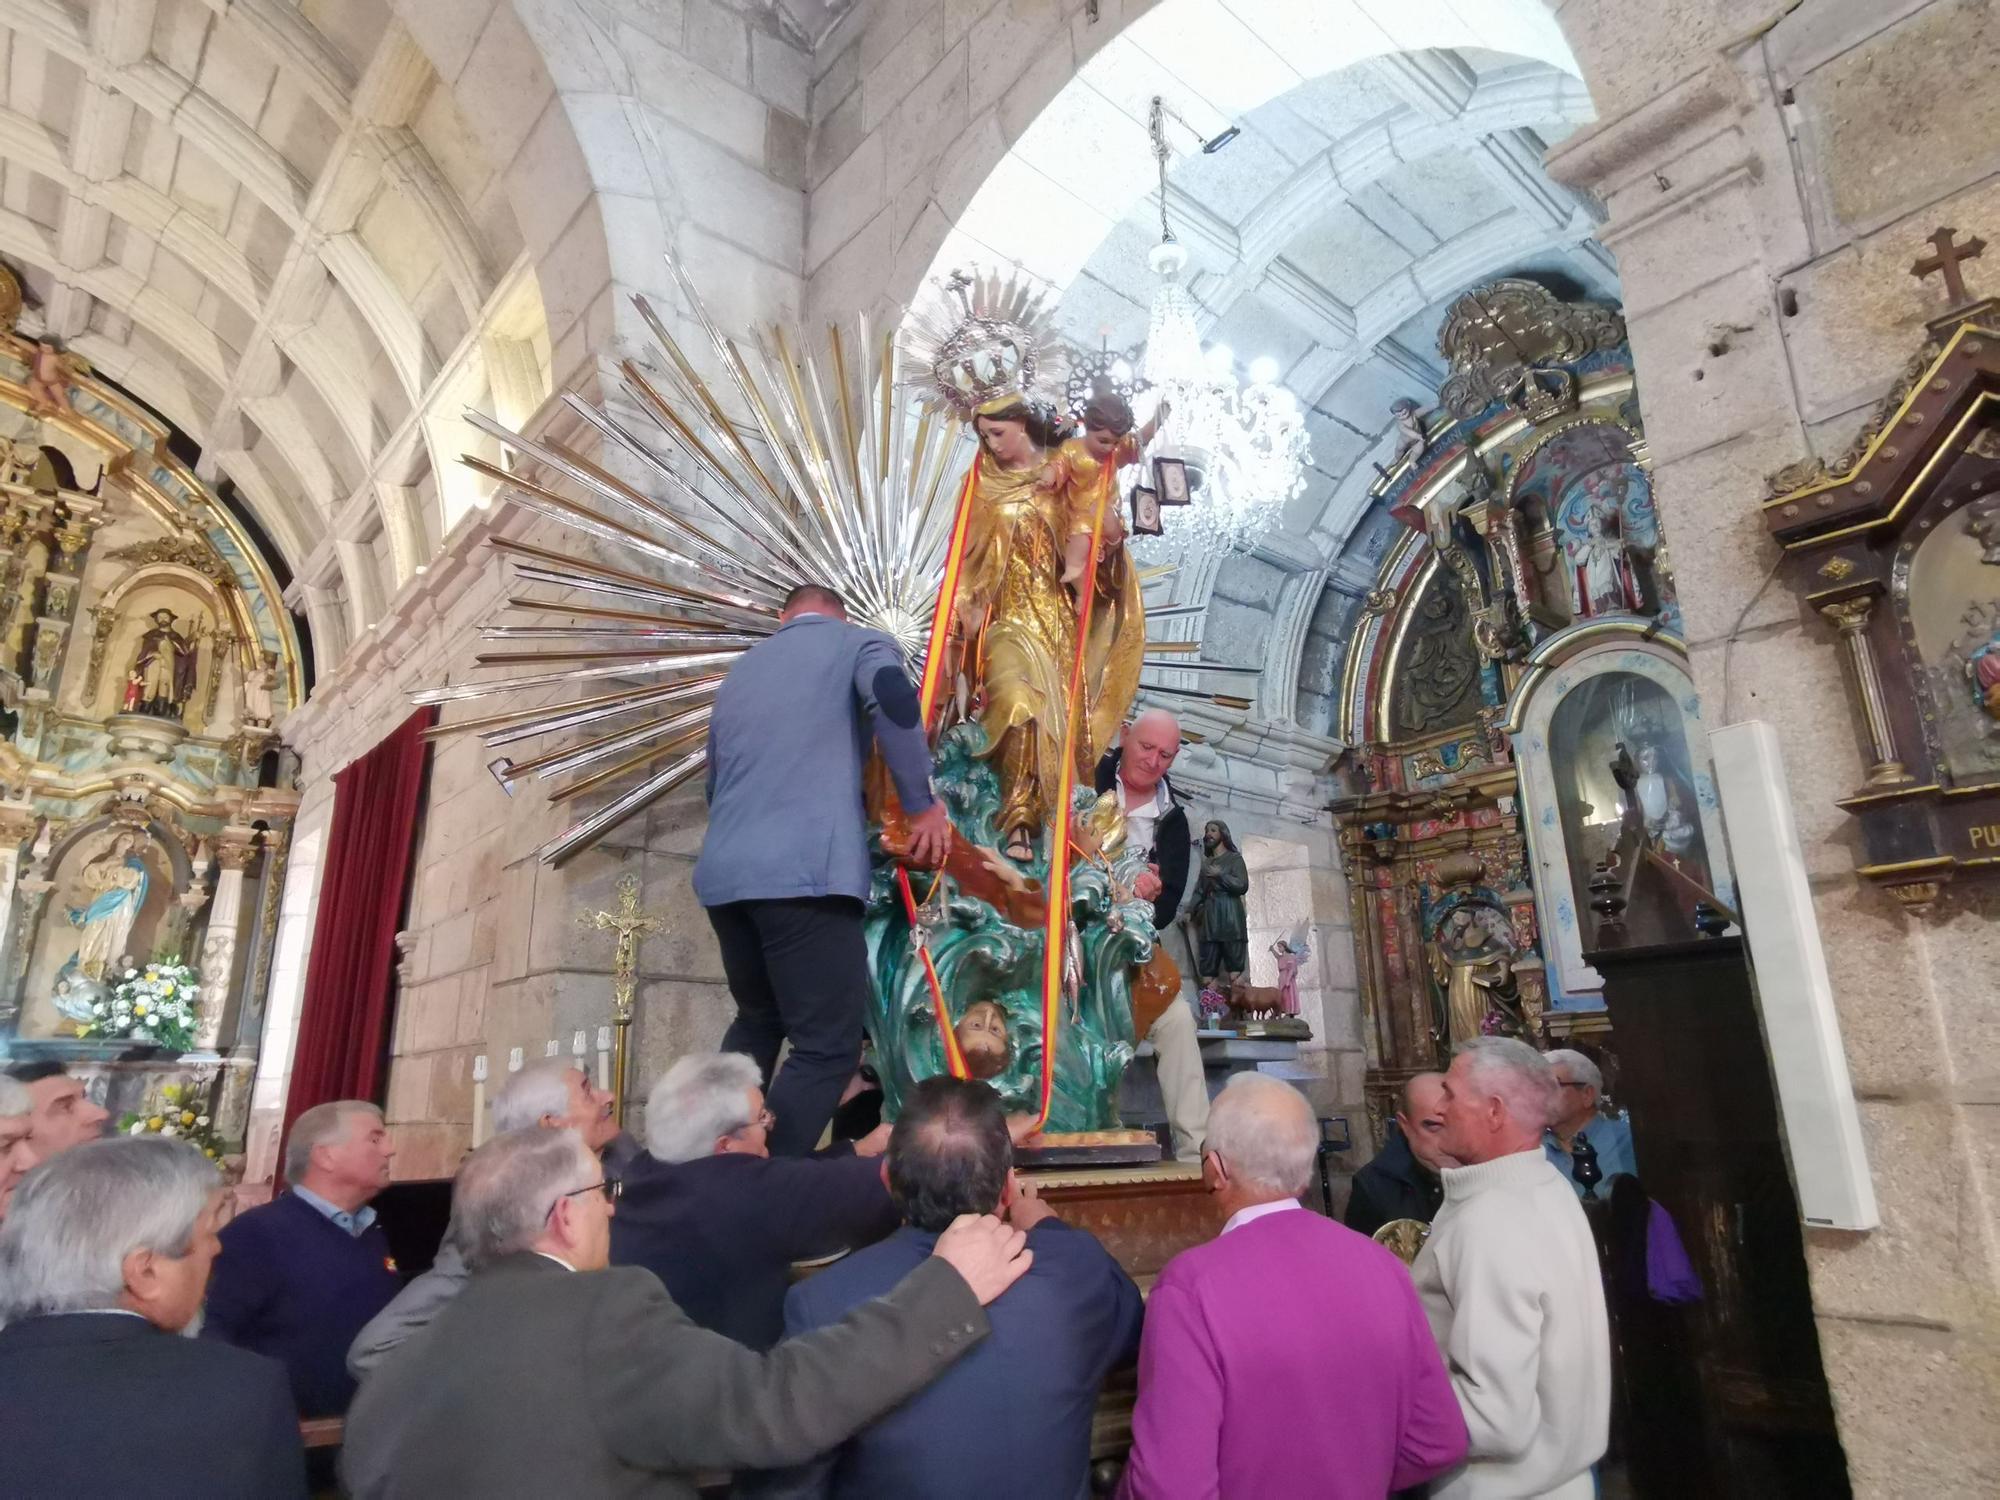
[
  {"x": 1013, "y": 1417},
  {"x": 784, "y": 866}
]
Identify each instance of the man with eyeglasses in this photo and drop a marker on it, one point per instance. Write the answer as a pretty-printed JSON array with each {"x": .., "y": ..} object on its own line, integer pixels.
[
  {"x": 1402, "y": 1181},
  {"x": 1581, "y": 1116},
  {"x": 719, "y": 1219},
  {"x": 556, "y": 1373},
  {"x": 553, "y": 1095}
]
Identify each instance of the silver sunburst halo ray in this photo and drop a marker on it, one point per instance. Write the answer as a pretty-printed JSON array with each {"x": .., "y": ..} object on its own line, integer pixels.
[{"x": 828, "y": 472}]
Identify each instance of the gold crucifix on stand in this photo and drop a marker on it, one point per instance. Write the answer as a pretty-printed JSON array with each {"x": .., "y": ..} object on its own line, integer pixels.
[{"x": 631, "y": 925}]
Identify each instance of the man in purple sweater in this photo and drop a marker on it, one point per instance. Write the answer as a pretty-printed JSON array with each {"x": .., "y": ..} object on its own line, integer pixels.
[
  {"x": 298, "y": 1276},
  {"x": 1288, "y": 1357}
]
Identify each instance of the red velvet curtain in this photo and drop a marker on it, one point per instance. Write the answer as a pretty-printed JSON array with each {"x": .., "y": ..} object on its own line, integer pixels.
[{"x": 344, "y": 1019}]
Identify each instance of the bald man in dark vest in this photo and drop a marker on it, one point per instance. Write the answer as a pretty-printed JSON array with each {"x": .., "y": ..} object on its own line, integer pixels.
[{"x": 784, "y": 867}]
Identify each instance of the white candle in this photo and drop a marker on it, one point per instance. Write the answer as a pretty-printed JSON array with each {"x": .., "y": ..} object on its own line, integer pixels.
[
  {"x": 514, "y": 1061},
  {"x": 579, "y": 1046},
  {"x": 555, "y": 1048},
  {"x": 478, "y": 1100},
  {"x": 604, "y": 1058}
]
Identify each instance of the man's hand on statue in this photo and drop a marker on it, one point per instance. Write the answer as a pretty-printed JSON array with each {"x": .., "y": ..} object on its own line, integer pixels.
[
  {"x": 1027, "y": 1210},
  {"x": 1023, "y": 1130},
  {"x": 930, "y": 835},
  {"x": 1148, "y": 887},
  {"x": 875, "y": 1142},
  {"x": 991, "y": 1256}
]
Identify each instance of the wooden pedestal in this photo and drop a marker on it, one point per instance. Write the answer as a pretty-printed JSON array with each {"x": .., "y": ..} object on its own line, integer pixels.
[{"x": 1144, "y": 1216}]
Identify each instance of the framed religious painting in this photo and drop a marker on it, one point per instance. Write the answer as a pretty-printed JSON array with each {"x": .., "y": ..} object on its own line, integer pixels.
[
  {"x": 1170, "y": 476},
  {"x": 1145, "y": 511}
]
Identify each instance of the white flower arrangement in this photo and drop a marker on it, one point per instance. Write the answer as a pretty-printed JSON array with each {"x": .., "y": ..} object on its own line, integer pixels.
[
  {"x": 178, "y": 1112},
  {"x": 159, "y": 1004}
]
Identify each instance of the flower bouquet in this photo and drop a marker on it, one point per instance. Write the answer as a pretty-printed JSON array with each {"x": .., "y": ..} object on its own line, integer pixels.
[
  {"x": 155, "y": 1004},
  {"x": 180, "y": 1114}
]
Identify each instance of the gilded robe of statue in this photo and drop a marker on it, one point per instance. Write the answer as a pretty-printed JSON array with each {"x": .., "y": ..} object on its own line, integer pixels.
[{"x": 1021, "y": 626}]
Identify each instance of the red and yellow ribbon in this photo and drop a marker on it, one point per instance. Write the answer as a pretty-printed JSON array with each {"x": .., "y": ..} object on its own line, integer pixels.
[
  {"x": 1056, "y": 935},
  {"x": 1056, "y": 948},
  {"x": 947, "y": 600},
  {"x": 947, "y": 606}
]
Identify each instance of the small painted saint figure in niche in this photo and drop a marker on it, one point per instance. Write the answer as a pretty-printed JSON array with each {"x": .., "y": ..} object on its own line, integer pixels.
[
  {"x": 1667, "y": 804},
  {"x": 1218, "y": 913},
  {"x": 1289, "y": 960},
  {"x": 1602, "y": 579},
  {"x": 1472, "y": 957},
  {"x": 165, "y": 667}
]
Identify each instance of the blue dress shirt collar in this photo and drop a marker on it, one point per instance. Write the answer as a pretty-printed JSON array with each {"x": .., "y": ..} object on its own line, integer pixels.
[{"x": 355, "y": 1223}]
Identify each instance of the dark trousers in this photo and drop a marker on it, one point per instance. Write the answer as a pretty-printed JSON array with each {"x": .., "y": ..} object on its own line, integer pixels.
[{"x": 799, "y": 971}]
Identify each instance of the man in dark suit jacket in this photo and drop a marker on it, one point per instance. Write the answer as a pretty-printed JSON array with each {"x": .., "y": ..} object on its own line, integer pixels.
[
  {"x": 720, "y": 1220},
  {"x": 1013, "y": 1418},
  {"x": 554, "y": 1373},
  {"x": 101, "y": 1396},
  {"x": 1402, "y": 1181}
]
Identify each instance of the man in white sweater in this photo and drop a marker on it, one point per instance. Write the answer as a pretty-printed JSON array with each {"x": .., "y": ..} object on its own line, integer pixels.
[{"x": 1509, "y": 1279}]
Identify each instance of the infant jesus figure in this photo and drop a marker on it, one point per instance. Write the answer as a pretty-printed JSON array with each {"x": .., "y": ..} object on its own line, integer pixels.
[
  {"x": 982, "y": 1039},
  {"x": 1108, "y": 443}
]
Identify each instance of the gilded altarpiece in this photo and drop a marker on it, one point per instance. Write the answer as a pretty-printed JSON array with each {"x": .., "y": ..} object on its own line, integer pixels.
[
  {"x": 1896, "y": 546},
  {"x": 146, "y": 659},
  {"x": 1530, "y": 530}
]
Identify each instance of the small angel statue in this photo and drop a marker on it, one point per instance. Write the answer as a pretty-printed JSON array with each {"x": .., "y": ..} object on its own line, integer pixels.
[{"x": 1291, "y": 953}]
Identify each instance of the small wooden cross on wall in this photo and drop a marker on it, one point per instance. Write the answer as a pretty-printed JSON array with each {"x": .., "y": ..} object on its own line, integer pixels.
[{"x": 1947, "y": 259}]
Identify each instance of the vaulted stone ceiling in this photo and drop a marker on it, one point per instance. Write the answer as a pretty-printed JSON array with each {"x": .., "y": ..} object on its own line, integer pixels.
[
  {"x": 1389, "y": 157},
  {"x": 1329, "y": 236},
  {"x": 269, "y": 220}
]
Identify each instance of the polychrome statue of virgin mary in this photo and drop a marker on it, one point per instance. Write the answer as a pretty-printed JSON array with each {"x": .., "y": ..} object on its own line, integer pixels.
[{"x": 1046, "y": 632}]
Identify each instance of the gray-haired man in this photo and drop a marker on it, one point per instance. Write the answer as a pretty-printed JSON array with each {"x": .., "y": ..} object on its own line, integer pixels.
[
  {"x": 553, "y": 1095},
  {"x": 298, "y": 1276},
  {"x": 720, "y": 1220},
  {"x": 104, "y": 1258},
  {"x": 784, "y": 866},
  {"x": 1510, "y": 1282},
  {"x": 555, "y": 1374}
]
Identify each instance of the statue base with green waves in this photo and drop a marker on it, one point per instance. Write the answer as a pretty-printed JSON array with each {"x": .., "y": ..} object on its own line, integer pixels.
[{"x": 981, "y": 921}]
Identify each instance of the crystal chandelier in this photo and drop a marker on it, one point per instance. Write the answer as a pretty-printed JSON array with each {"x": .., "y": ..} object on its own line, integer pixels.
[{"x": 1245, "y": 446}]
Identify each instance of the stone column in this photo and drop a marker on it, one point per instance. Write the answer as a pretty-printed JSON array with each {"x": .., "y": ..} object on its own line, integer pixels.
[{"x": 234, "y": 852}]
